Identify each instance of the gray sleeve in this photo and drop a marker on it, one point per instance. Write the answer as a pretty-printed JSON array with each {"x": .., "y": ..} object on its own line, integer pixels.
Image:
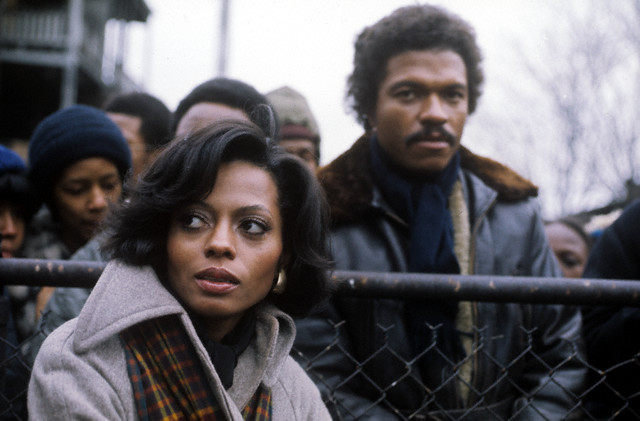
[
  {"x": 90, "y": 251},
  {"x": 64, "y": 304}
]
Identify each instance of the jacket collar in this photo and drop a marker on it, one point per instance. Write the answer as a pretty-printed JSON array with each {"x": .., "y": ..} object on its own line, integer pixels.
[
  {"x": 126, "y": 295},
  {"x": 349, "y": 187},
  {"x": 123, "y": 296}
]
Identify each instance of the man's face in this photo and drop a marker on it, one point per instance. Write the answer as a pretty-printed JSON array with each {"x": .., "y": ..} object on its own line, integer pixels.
[
  {"x": 130, "y": 127},
  {"x": 302, "y": 148},
  {"x": 421, "y": 109}
]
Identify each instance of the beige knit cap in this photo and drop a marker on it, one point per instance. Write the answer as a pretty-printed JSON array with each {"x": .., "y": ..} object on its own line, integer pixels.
[{"x": 292, "y": 109}]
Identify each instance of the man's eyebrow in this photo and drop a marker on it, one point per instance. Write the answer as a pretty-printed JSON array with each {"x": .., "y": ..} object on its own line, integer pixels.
[
  {"x": 457, "y": 85},
  {"x": 418, "y": 85},
  {"x": 405, "y": 83}
]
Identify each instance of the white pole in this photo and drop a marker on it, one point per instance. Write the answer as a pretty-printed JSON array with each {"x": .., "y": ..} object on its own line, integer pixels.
[{"x": 224, "y": 28}]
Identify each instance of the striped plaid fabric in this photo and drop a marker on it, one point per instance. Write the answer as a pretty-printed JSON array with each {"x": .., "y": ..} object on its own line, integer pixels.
[{"x": 168, "y": 379}]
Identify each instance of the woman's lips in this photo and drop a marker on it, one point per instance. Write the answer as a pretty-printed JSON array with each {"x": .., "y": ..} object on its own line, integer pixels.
[{"x": 216, "y": 280}]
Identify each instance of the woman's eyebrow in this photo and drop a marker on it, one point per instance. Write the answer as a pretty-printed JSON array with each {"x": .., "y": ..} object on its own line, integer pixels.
[{"x": 253, "y": 208}]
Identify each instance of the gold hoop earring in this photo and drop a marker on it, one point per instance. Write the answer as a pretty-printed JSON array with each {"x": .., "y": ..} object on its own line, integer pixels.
[{"x": 281, "y": 283}]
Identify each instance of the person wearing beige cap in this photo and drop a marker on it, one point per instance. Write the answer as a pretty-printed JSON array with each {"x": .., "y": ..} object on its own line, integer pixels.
[{"x": 299, "y": 134}]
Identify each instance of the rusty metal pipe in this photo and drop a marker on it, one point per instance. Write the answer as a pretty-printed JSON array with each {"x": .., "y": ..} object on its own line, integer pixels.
[{"x": 68, "y": 273}]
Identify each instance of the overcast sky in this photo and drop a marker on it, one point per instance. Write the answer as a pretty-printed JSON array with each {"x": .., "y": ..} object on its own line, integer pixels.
[{"x": 307, "y": 45}]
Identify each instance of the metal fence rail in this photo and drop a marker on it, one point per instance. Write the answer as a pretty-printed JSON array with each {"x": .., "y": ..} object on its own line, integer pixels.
[
  {"x": 66, "y": 273},
  {"x": 501, "y": 289}
]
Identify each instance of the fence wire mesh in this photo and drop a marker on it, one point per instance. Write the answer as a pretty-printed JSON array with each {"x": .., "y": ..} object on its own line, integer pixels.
[
  {"x": 603, "y": 382},
  {"x": 587, "y": 402}
]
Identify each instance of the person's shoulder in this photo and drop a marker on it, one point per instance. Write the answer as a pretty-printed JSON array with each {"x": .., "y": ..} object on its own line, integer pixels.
[
  {"x": 292, "y": 369},
  {"x": 300, "y": 391},
  {"x": 91, "y": 251},
  {"x": 347, "y": 183},
  {"x": 507, "y": 183},
  {"x": 42, "y": 240},
  {"x": 56, "y": 344},
  {"x": 631, "y": 214}
]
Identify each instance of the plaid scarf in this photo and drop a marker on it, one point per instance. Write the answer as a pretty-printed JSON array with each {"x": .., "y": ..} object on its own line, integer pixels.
[{"x": 168, "y": 380}]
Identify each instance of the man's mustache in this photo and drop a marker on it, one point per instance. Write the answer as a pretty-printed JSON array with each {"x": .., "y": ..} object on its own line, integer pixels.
[{"x": 428, "y": 133}]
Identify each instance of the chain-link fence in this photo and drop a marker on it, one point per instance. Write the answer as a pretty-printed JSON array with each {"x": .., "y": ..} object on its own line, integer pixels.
[
  {"x": 459, "y": 396},
  {"x": 500, "y": 392}
]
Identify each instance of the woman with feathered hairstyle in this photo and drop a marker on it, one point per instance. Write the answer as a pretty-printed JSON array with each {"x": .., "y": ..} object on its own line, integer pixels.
[{"x": 222, "y": 240}]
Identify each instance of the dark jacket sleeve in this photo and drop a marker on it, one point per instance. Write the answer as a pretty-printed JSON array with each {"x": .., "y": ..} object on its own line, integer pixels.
[
  {"x": 616, "y": 255},
  {"x": 324, "y": 351},
  {"x": 608, "y": 329},
  {"x": 555, "y": 373}
]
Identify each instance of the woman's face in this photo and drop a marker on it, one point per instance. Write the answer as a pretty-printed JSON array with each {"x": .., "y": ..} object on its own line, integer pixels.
[
  {"x": 223, "y": 252},
  {"x": 12, "y": 228},
  {"x": 82, "y": 194},
  {"x": 569, "y": 247}
]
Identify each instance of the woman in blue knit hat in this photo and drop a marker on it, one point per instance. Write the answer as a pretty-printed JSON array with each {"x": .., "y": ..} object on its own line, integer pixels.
[{"x": 78, "y": 160}]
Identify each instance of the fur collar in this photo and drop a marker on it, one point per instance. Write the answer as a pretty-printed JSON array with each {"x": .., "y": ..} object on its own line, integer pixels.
[{"x": 349, "y": 187}]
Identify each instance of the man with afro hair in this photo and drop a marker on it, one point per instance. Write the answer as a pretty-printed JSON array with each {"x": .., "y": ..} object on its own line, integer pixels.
[{"x": 407, "y": 197}]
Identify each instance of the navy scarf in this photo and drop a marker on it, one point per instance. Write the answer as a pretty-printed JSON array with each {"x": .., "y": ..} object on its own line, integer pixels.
[{"x": 423, "y": 204}]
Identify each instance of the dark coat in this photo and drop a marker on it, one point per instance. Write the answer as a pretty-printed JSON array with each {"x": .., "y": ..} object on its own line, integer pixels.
[
  {"x": 507, "y": 238},
  {"x": 611, "y": 332}
]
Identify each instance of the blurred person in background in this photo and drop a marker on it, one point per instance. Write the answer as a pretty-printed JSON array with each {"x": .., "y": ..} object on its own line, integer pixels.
[
  {"x": 145, "y": 123},
  {"x": 571, "y": 245},
  {"x": 18, "y": 203},
  {"x": 613, "y": 345},
  {"x": 298, "y": 134},
  {"x": 78, "y": 161},
  {"x": 216, "y": 100}
]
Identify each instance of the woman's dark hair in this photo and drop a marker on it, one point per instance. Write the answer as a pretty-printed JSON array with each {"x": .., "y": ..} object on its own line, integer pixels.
[
  {"x": 420, "y": 27},
  {"x": 15, "y": 188},
  {"x": 185, "y": 172},
  {"x": 575, "y": 225}
]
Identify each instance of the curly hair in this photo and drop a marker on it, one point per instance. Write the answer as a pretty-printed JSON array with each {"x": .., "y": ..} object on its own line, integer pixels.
[
  {"x": 185, "y": 172},
  {"x": 410, "y": 28}
]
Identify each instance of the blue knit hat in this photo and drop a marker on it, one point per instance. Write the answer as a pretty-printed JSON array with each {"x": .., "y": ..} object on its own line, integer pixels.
[
  {"x": 70, "y": 135},
  {"x": 14, "y": 185},
  {"x": 10, "y": 162}
]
